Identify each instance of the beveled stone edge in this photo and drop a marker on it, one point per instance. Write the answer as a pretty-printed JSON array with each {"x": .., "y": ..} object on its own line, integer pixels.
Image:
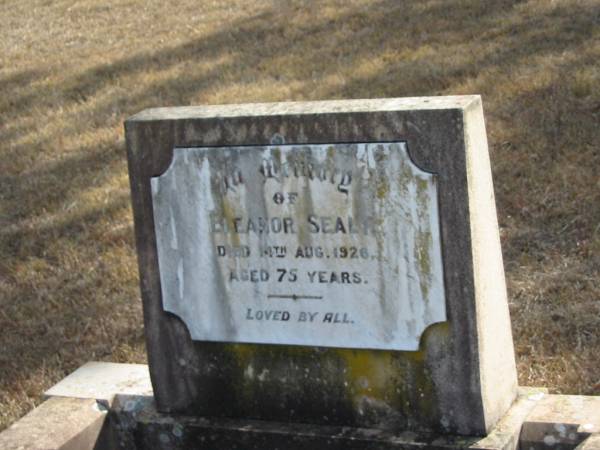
[
  {"x": 59, "y": 423},
  {"x": 116, "y": 378},
  {"x": 309, "y": 107}
]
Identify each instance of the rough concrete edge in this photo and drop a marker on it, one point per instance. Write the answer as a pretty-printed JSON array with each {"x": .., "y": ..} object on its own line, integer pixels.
[
  {"x": 87, "y": 438},
  {"x": 129, "y": 378},
  {"x": 116, "y": 378},
  {"x": 563, "y": 421},
  {"x": 590, "y": 443},
  {"x": 59, "y": 423},
  {"x": 506, "y": 433}
]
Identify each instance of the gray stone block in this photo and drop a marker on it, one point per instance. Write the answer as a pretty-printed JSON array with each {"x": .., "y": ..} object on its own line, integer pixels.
[
  {"x": 60, "y": 423},
  {"x": 462, "y": 378}
]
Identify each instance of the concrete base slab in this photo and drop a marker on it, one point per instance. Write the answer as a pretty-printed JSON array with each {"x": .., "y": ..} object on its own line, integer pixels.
[
  {"x": 591, "y": 443},
  {"x": 58, "y": 423},
  {"x": 135, "y": 423},
  {"x": 102, "y": 380},
  {"x": 562, "y": 422},
  {"x": 104, "y": 406}
]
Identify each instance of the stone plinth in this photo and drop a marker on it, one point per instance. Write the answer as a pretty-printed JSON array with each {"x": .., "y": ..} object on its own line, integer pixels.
[{"x": 113, "y": 411}]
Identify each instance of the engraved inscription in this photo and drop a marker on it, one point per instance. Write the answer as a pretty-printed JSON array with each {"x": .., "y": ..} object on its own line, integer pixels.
[{"x": 324, "y": 245}]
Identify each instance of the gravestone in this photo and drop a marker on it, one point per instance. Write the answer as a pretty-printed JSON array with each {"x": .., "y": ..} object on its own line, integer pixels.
[{"x": 327, "y": 263}]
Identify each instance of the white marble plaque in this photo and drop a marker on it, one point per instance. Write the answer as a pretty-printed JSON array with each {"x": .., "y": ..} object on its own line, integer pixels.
[{"x": 322, "y": 245}]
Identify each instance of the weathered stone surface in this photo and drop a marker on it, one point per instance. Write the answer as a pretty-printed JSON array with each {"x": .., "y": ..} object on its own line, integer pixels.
[
  {"x": 462, "y": 379},
  {"x": 562, "y": 422},
  {"x": 136, "y": 424},
  {"x": 592, "y": 442},
  {"x": 535, "y": 421},
  {"x": 322, "y": 245},
  {"x": 102, "y": 380},
  {"x": 57, "y": 424}
]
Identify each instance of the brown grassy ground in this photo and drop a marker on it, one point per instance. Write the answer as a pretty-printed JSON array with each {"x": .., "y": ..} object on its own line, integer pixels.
[{"x": 72, "y": 71}]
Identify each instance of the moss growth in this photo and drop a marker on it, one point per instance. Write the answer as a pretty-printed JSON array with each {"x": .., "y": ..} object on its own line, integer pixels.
[
  {"x": 360, "y": 386},
  {"x": 366, "y": 373},
  {"x": 276, "y": 154},
  {"x": 331, "y": 153},
  {"x": 422, "y": 248},
  {"x": 382, "y": 187},
  {"x": 424, "y": 240},
  {"x": 229, "y": 215}
]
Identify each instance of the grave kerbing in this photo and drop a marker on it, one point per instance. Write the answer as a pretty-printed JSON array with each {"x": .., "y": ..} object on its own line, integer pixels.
[{"x": 462, "y": 377}]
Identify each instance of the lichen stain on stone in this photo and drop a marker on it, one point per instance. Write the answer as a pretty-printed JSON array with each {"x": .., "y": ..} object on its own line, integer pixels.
[
  {"x": 367, "y": 373},
  {"x": 375, "y": 384},
  {"x": 424, "y": 239},
  {"x": 382, "y": 376},
  {"x": 228, "y": 214},
  {"x": 404, "y": 177},
  {"x": 245, "y": 382},
  {"x": 276, "y": 154},
  {"x": 382, "y": 187},
  {"x": 243, "y": 352},
  {"x": 422, "y": 185},
  {"x": 423, "y": 246},
  {"x": 331, "y": 153},
  {"x": 252, "y": 359}
]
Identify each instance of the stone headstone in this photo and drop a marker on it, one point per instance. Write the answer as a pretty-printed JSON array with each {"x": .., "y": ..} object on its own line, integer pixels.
[{"x": 324, "y": 262}]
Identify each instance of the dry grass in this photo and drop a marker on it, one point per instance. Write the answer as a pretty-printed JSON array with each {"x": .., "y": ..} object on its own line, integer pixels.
[{"x": 70, "y": 72}]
